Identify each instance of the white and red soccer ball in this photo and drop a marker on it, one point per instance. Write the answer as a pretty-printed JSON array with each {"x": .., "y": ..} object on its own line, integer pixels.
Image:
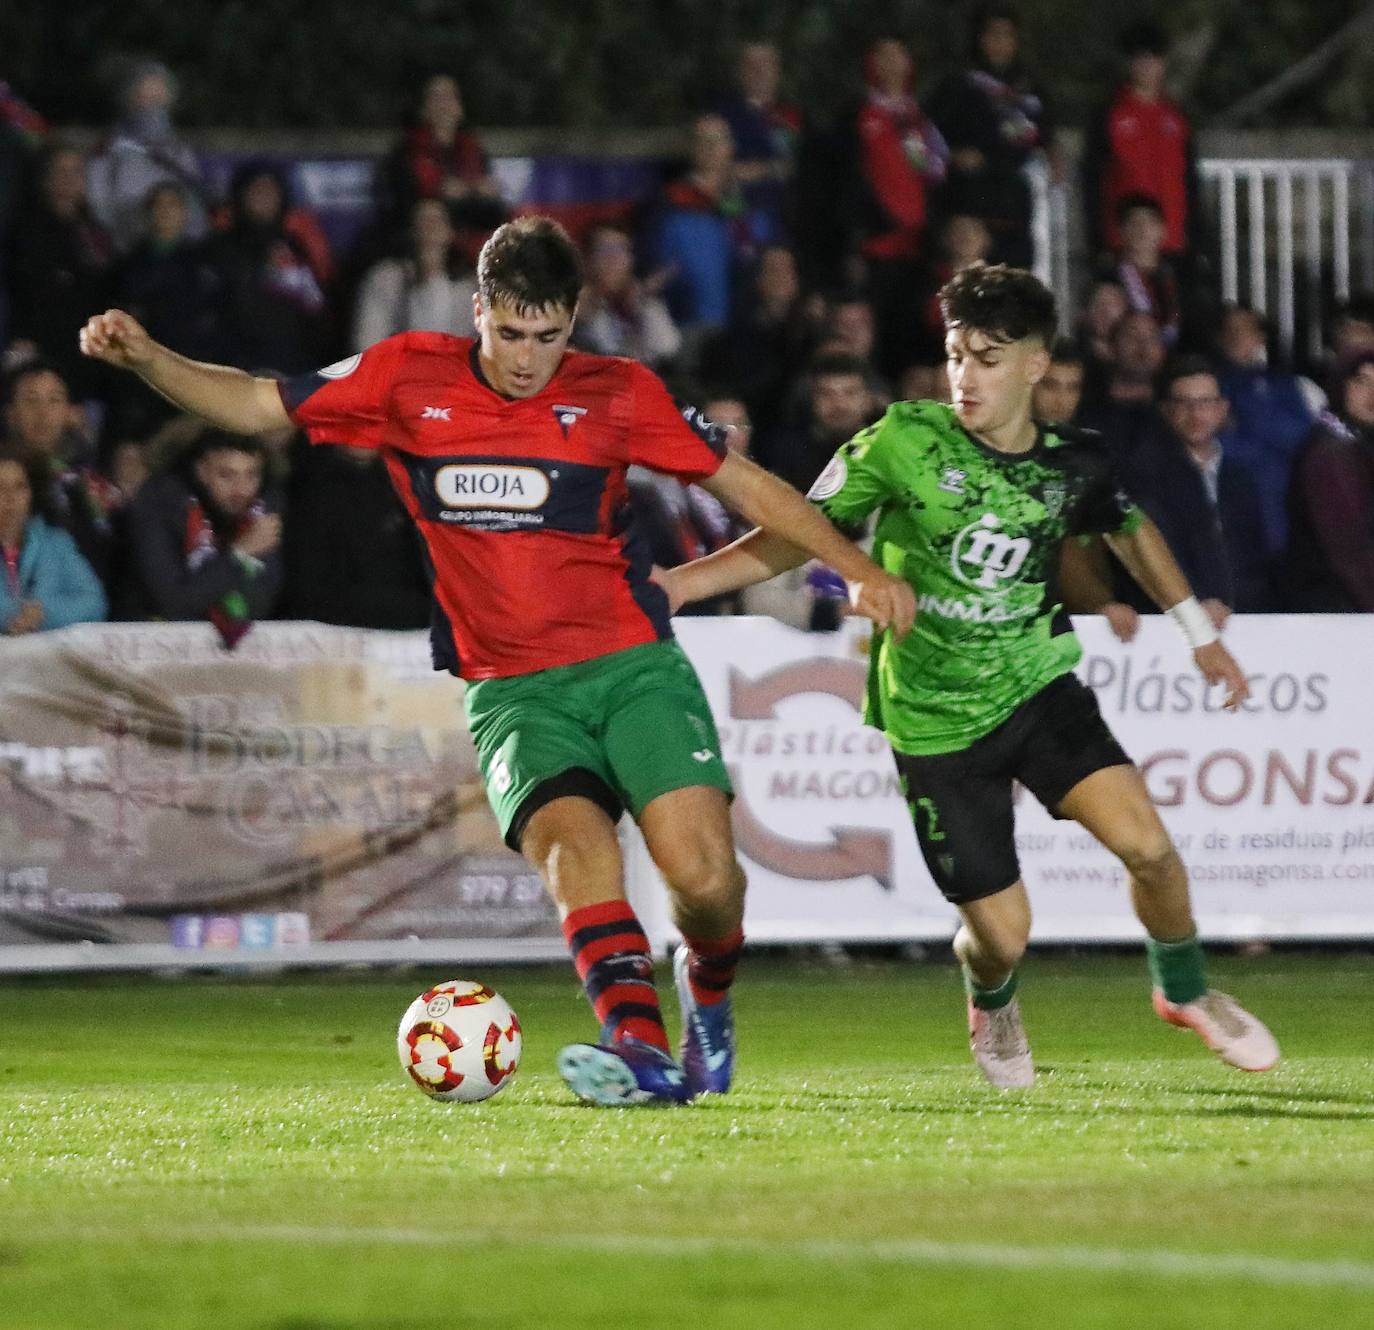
[{"x": 459, "y": 1041}]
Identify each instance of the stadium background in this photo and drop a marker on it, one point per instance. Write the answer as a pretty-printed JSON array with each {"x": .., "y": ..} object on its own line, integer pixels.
[{"x": 169, "y": 1148}]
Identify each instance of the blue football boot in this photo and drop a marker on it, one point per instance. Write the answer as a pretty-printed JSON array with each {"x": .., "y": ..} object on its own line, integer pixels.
[
  {"x": 708, "y": 1033},
  {"x": 626, "y": 1072}
]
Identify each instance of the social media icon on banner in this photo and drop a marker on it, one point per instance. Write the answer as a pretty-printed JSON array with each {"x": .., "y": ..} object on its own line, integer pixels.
[
  {"x": 293, "y": 929},
  {"x": 222, "y": 930},
  {"x": 256, "y": 930},
  {"x": 188, "y": 930}
]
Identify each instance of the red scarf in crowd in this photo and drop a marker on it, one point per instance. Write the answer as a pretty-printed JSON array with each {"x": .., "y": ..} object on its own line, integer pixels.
[{"x": 232, "y": 617}]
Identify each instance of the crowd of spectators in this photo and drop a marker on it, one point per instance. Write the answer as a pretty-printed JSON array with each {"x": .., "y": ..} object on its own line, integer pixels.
[{"x": 784, "y": 278}]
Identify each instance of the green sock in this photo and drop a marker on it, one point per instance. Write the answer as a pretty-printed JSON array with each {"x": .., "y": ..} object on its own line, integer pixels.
[
  {"x": 989, "y": 999},
  {"x": 1177, "y": 968}
]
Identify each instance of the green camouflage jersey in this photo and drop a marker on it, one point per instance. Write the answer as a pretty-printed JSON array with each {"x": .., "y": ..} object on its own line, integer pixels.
[{"x": 977, "y": 534}]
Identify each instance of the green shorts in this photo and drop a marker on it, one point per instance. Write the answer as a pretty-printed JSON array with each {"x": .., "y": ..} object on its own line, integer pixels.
[{"x": 619, "y": 730}]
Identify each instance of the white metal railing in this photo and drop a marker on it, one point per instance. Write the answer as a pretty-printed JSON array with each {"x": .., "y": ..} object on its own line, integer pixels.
[{"x": 1293, "y": 235}]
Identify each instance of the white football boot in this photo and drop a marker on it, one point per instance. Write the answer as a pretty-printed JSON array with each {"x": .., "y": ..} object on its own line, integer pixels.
[
  {"x": 1000, "y": 1047},
  {"x": 1230, "y": 1031}
]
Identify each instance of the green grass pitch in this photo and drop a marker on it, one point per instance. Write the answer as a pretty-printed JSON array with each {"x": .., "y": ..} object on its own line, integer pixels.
[{"x": 211, "y": 1152}]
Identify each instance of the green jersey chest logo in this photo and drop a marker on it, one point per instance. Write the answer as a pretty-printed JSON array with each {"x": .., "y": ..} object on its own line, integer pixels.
[{"x": 983, "y": 555}]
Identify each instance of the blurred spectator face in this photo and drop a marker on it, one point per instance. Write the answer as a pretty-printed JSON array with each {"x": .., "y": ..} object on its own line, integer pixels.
[
  {"x": 734, "y": 415},
  {"x": 1146, "y": 73},
  {"x": 128, "y": 467},
  {"x": 151, "y": 93},
  {"x": 890, "y": 66},
  {"x": 64, "y": 181},
  {"x": 1138, "y": 345},
  {"x": 1195, "y": 409},
  {"x": 262, "y": 200},
  {"x": 1142, "y": 233},
  {"x": 610, "y": 259},
  {"x": 1359, "y": 396},
  {"x": 759, "y": 72},
  {"x": 1241, "y": 337},
  {"x": 1057, "y": 395},
  {"x": 997, "y": 42},
  {"x": 430, "y": 226},
  {"x": 713, "y": 146},
  {"x": 231, "y": 480},
  {"x": 852, "y": 326},
  {"x": 441, "y": 105},
  {"x": 777, "y": 283},
  {"x": 166, "y": 215},
  {"x": 1106, "y": 307},
  {"x": 1351, "y": 337},
  {"x": 966, "y": 240},
  {"x": 924, "y": 383},
  {"x": 841, "y": 403},
  {"x": 16, "y": 502},
  {"x": 39, "y": 412}
]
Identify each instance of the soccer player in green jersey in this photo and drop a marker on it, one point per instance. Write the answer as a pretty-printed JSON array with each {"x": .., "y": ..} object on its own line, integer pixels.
[{"x": 974, "y": 501}]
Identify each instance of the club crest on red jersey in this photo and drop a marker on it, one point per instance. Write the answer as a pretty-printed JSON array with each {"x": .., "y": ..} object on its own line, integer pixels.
[{"x": 568, "y": 416}]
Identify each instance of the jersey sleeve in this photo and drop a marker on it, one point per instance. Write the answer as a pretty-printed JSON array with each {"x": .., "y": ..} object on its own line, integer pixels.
[
  {"x": 348, "y": 402},
  {"x": 669, "y": 437},
  {"x": 1104, "y": 507},
  {"x": 857, "y": 479}
]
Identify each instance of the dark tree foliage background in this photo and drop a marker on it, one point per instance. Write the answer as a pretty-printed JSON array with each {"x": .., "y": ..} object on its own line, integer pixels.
[{"x": 319, "y": 64}]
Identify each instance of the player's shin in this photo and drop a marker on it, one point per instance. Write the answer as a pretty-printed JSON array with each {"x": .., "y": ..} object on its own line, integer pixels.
[{"x": 611, "y": 953}]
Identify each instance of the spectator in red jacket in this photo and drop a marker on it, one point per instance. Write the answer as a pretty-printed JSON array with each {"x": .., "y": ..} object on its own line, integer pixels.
[
  {"x": 903, "y": 156},
  {"x": 1142, "y": 143},
  {"x": 903, "y": 159}
]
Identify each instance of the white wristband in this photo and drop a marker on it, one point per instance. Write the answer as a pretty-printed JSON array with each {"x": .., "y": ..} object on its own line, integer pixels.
[{"x": 1194, "y": 623}]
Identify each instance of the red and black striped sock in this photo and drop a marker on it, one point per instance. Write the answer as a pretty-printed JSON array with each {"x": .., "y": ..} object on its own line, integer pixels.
[
  {"x": 612, "y": 957},
  {"x": 711, "y": 970}
]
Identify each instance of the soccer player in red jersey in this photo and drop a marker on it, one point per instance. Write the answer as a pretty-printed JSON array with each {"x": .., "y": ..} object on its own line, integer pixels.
[{"x": 510, "y": 453}]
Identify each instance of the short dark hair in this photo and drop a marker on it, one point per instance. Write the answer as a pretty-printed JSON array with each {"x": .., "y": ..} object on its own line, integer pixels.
[
  {"x": 28, "y": 370},
  {"x": 38, "y": 473},
  {"x": 1066, "y": 351},
  {"x": 1002, "y": 302},
  {"x": 530, "y": 264},
  {"x": 222, "y": 441},
  {"x": 1129, "y": 203},
  {"x": 836, "y": 364},
  {"x": 1358, "y": 309},
  {"x": 1184, "y": 367},
  {"x": 1144, "y": 37}
]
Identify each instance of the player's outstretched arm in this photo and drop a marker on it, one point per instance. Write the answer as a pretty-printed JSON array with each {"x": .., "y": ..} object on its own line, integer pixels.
[
  {"x": 1148, "y": 559},
  {"x": 791, "y": 532},
  {"x": 226, "y": 397}
]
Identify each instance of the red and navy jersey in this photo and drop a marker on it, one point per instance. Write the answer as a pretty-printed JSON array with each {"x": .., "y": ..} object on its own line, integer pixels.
[{"x": 522, "y": 502}]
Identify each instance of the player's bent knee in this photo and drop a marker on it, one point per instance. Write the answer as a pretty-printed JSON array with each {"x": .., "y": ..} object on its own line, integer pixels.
[
  {"x": 708, "y": 875},
  {"x": 1152, "y": 858}
]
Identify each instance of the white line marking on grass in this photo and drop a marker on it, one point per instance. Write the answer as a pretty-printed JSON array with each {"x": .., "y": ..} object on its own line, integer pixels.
[{"x": 1247, "y": 1266}]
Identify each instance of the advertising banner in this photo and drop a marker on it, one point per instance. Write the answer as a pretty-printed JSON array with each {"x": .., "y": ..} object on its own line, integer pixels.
[
  {"x": 314, "y": 797},
  {"x": 315, "y": 790},
  {"x": 1272, "y": 808}
]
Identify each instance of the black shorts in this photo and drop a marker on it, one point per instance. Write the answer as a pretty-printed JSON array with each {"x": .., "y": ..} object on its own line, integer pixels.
[{"x": 961, "y": 802}]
